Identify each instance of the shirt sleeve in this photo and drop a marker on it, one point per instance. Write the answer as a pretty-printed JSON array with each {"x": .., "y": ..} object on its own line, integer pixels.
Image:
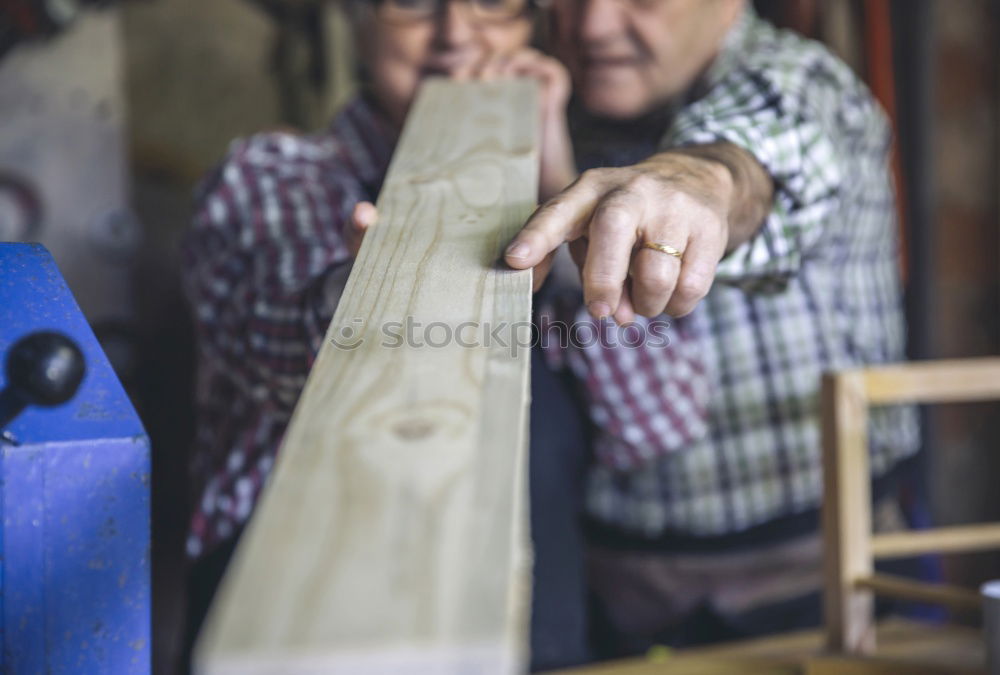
[
  {"x": 789, "y": 111},
  {"x": 266, "y": 234}
]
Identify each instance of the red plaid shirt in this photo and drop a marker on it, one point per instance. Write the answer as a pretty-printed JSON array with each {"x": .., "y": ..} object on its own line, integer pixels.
[{"x": 266, "y": 235}]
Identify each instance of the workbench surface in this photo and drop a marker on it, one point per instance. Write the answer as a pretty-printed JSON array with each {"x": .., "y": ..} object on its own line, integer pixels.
[{"x": 905, "y": 648}]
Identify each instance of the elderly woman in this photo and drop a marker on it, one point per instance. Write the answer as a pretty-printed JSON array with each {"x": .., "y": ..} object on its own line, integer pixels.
[{"x": 276, "y": 230}]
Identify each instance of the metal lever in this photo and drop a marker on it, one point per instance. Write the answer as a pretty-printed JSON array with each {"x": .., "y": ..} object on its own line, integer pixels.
[{"x": 44, "y": 369}]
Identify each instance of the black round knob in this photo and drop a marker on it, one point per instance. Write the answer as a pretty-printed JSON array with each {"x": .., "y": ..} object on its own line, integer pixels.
[{"x": 44, "y": 368}]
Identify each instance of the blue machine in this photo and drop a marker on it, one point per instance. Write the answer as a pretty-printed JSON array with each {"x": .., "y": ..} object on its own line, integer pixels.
[{"x": 74, "y": 487}]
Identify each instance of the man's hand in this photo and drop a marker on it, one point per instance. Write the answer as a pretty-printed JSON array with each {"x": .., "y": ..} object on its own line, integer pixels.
[{"x": 701, "y": 201}]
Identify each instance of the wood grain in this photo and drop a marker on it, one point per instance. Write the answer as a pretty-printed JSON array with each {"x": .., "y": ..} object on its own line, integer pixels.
[{"x": 392, "y": 535}]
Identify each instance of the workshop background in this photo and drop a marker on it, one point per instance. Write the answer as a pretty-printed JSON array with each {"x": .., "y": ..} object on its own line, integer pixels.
[{"x": 110, "y": 112}]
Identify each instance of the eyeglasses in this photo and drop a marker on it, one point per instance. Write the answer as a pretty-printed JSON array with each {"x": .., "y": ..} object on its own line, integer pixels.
[{"x": 480, "y": 11}]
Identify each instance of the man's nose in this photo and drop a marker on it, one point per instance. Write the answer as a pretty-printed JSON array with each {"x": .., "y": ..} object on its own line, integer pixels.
[
  {"x": 600, "y": 19},
  {"x": 455, "y": 27}
]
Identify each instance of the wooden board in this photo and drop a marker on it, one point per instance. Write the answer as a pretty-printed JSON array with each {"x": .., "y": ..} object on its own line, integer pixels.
[{"x": 392, "y": 535}]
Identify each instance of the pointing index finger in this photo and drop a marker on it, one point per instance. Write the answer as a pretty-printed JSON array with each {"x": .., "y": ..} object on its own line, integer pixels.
[{"x": 560, "y": 219}]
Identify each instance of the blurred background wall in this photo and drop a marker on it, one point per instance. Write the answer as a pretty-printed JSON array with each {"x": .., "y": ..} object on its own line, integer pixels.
[
  {"x": 964, "y": 224},
  {"x": 112, "y": 120}
]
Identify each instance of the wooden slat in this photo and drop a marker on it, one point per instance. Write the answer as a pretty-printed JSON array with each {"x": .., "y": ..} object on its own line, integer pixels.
[
  {"x": 909, "y": 645},
  {"x": 682, "y": 665},
  {"x": 919, "y": 591},
  {"x": 957, "y": 539},
  {"x": 846, "y": 513},
  {"x": 393, "y": 531},
  {"x": 873, "y": 665},
  {"x": 959, "y": 380}
]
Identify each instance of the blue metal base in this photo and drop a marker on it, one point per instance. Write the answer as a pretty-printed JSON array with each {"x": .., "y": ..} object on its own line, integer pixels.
[{"x": 74, "y": 498}]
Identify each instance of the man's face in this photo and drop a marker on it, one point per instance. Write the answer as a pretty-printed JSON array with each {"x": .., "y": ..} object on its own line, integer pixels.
[{"x": 628, "y": 56}]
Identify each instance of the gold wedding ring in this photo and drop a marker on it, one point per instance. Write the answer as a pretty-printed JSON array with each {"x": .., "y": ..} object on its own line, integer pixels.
[{"x": 663, "y": 248}]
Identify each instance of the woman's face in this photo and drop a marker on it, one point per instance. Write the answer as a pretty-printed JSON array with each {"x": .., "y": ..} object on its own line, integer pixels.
[{"x": 400, "y": 53}]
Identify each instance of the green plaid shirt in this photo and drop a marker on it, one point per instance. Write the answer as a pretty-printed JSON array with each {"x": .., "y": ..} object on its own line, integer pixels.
[{"x": 816, "y": 289}]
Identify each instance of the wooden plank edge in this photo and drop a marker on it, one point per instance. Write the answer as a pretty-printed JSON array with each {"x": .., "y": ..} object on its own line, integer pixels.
[{"x": 486, "y": 658}]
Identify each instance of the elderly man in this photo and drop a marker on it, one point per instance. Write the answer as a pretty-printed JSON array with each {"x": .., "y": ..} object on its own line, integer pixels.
[{"x": 738, "y": 179}]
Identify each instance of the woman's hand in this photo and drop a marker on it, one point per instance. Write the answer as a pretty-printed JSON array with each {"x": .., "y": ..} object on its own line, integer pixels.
[
  {"x": 363, "y": 216},
  {"x": 558, "y": 168}
]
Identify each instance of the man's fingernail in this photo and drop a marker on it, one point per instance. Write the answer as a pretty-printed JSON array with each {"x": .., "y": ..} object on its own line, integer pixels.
[
  {"x": 517, "y": 250},
  {"x": 598, "y": 309}
]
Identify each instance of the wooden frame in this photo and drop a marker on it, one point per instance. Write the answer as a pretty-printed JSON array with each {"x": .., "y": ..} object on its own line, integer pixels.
[
  {"x": 849, "y": 545},
  {"x": 392, "y": 533}
]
